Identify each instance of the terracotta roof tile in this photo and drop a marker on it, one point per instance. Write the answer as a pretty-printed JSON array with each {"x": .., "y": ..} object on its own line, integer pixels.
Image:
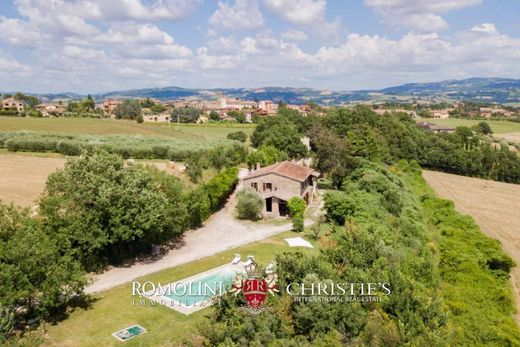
[{"x": 286, "y": 169}]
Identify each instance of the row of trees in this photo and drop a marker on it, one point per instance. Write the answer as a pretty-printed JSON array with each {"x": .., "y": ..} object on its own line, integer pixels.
[{"x": 344, "y": 136}]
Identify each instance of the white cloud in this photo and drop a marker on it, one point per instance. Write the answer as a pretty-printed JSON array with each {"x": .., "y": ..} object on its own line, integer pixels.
[
  {"x": 309, "y": 15},
  {"x": 420, "y": 15},
  {"x": 488, "y": 28},
  {"x": 109, "y": 10},
  {"x": 71, "y": 46},
  {"x": 12, "y": 72},
  {"x": 82, "y": 53},
  {"x": 248, "y": 45},
  {"x": 222, "y": 44},
  {"x": 126, "y": 32},
  {"x": 301, "y": 12},
  {"x": 18, "y": 32},
  {"x": 243, "y": 14},
  {"x": 294, "y": 35}
]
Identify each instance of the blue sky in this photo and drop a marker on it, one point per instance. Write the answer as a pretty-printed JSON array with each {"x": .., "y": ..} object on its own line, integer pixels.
[{"x": 90, "y": 46}]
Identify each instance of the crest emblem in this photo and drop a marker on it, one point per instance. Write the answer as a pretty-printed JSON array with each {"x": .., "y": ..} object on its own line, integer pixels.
[{"x": 255, "y": 287}]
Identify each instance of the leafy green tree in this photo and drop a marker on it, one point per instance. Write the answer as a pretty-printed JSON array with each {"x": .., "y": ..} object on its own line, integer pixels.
[
  {"x": 335, "y": 156},
  {"x": 484, "y": 128},
  {"x": 296, "y": 207},
  {"x": 265, "y": 155},
  {"x": 147, "y": 103},
  {"x": 280, "y": 133},
  {"x": 29, "y": 100},
  {"x": 185, "y": 115},
  {"x": 115, "y": 212},
  {"x": 239, "y": 116},
  {"x": 158, "y": 108},
  {"x": 37, "y": 275},
  {"x": 249, "y": 204},
  {"x": 238, "y": 136},
  {"x": 128, "y": 109},
  {"x": 213, "y": 115}
]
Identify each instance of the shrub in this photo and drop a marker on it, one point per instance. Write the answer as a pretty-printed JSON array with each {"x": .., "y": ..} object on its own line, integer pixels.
[
  {"x": 296, "y": 207},
  {"x": 194, "y": 168},
  {"x": 69, "y": 147},
  {"x": 6, "y": 323},
  {"x": 249, "y": 204},
  {"x": 298, "y": 224},
  {"x": 238, "y": 136}
]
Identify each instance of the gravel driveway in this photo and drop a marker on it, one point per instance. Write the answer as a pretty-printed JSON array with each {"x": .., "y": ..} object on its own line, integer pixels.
[{"x": 221, "y": 231}]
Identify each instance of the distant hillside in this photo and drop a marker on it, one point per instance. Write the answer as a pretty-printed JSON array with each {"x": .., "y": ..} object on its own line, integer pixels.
[
  {"x": 501, "y": 90},
  {"x": 498, "y": 90}
]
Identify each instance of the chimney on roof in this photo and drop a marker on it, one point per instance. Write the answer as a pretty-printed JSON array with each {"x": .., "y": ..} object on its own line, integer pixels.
[{"x": 257, "y": 166}]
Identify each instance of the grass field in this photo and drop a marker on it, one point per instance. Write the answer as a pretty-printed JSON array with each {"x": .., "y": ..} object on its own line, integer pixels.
[
  {"x": 94, "y": 126},
  {"x": 113, "y": 309},
  {"x": 493, "y": 205},
  {"x": 498, "y": 126}
]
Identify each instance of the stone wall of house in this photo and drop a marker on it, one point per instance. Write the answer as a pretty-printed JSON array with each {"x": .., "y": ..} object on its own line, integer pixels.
[{"x": 278, "y": 183}]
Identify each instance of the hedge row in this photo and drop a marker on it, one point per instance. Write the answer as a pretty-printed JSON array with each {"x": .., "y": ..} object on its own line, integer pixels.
[
  {"x": 208, "y": 198},
  {"x": 138, "y": 147}
]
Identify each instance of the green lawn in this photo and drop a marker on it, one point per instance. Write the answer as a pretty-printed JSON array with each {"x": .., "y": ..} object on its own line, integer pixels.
[
  {"x": 113, "y": 309},
  {"x": 94, "y": 126},
  {"x": 498, "y": 126}
]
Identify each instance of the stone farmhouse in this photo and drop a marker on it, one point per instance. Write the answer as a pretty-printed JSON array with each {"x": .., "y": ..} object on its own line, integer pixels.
[
  {"x": 109, "y": 105},
  {"x": 435, "y": 128},
  {"x": 279, "y": 182},
  {"x": 157, "y": 118},
  {"x": 13, "y": 104},
  {"x": 49, "y": 109}
]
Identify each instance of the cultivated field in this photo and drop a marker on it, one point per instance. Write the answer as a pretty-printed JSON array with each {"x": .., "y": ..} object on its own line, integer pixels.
[
  {"x": 493, "y": 205},
  {"x": 22, "y": 177},
  {"x": 94, "y": 126},
  {"x": 498, "y": 126}
]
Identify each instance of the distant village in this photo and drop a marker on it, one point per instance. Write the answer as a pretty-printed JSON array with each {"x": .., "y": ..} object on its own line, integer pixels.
[{"x": 230, "y": 109}]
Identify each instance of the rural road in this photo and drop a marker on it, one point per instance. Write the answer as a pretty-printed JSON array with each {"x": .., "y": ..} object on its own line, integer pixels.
[
  {"x": 221, "y": 231},
  {"x": 493, "y": 205}
]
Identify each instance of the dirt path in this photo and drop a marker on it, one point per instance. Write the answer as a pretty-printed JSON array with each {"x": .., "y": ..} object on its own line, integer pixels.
[
  {"x": 493, "y": 205},
  {"x": 221, "y": 231}
]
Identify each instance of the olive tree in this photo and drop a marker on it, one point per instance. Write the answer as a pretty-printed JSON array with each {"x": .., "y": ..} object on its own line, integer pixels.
[{"x": 249, "y": 204}]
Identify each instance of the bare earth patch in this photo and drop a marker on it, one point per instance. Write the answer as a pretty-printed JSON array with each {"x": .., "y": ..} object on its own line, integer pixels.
[
  {"x": 22, "y": 178},
  {"x": 495, "y": 207},
  {"x": 511, "y": 137}
]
